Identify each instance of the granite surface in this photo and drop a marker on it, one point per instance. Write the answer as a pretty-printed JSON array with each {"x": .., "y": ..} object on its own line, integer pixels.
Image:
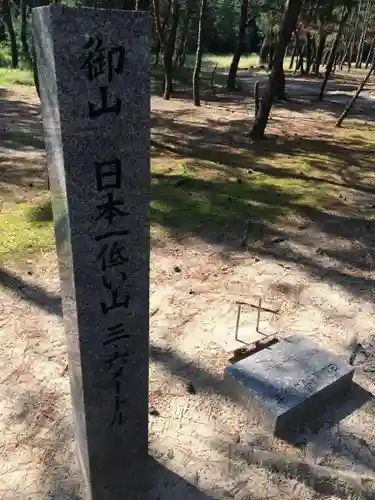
[
  {"x": 287, "y": 382},
  {"x": 93, "y": 68}
]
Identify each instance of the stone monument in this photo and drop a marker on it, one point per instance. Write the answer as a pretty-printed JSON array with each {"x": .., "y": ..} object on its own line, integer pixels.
[
  {"x": 93, "y": 69},
  {"x": 287, "y": 384}
]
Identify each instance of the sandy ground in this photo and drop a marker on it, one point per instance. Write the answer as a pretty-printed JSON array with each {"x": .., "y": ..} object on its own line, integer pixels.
[
  {"x": 207, "y": 446},
  {"x": 205, "y": 438}
]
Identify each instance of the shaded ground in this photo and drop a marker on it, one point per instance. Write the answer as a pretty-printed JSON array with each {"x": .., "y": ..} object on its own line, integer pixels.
[{"x": 305, "y": 199}]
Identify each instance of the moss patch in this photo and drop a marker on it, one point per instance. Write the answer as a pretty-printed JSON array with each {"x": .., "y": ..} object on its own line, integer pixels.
[{"x": 23, "y": 231}]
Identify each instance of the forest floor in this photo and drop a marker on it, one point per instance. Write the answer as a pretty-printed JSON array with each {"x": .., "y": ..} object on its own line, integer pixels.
[{"x": 306, "y": 198}]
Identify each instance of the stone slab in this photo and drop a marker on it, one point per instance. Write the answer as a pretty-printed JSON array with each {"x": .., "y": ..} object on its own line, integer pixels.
[
  {"x": 288, "y": 382},
  {"x": 93, "y": 69}
]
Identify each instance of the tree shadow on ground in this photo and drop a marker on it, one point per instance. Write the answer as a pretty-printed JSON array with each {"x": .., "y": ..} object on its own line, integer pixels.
[
  {"x": 27, "y": 120},
  {"x": 318, "y": 478},
  {"x": 322, "y": 480},
  {"x": 218, "y": 207},
  {"x": 302, "y": 95},
  {"x": 57, "y": 478},
  {"x": 21, "y": 140},
  {"x": 51, "y": 437},
  {"x": 61, "y": 478},
  {"x": 42, "y": 213},
  {"x": 30, "y": 292},
  {"x": 228, "y": 144},
  {"x": 167, "y": 485}
]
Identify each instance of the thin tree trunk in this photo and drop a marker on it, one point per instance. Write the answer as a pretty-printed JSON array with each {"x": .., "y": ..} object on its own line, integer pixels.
[
  {"x": 168, "y": 72},
  {"x": 348, "y": 41},
  {"x": 12, "y": 34},
  {"x": 198, "y": 59},
  {"x": 271, "y": 55},
  {"x": 263, "y": 53},
  {"x": 309, "y": 52},
  {"x": 157, "y": 55},
  {"x": 371, "y": 49},
  {"x": 295, "y": 51},
  {"x": 169, "y": 48},
  {"x": 314, "y": 48},
  {"x": 299, "y": 65},
  {"x": 256, "y": 98},
  {"x": 344, "y": 54},
  {"x": 360, "y": 53},
  {"x": 184, "y": 52},
  {"x": 277, "y": 77},
  {"x": 350, "y": 50},
  {"x": 359, "y": 90},
  {"x": 320, "y": 51},
  {"x": 326, "y": 56},
  {"x": 24, "y": 40},
  {"x": 337, "y": 60},
  {"x": 352, "y": 45},
  {"x": 159, "y": 38},
  {"x": 3, "y": 35},
  {"x": 358, "y": 63},
  {"x": 332, "y": 55},
  {"x": 183, "y": 40},
  {"x": 231, "y": 83},
  {"x": 167, "y": 41}
]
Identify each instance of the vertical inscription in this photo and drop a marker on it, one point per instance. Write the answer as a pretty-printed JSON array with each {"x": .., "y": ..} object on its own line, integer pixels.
[
  {"x": 100, "y": 61},
  {"x": 111, "y": 256}
]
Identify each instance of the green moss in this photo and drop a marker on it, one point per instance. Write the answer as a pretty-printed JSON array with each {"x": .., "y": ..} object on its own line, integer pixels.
[
  {"x": 9, "y": 77},
  {"x": 22, "y": 231}
]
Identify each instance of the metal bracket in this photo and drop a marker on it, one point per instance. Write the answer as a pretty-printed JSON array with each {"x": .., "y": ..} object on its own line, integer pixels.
[{"x": 259, "y": 309}]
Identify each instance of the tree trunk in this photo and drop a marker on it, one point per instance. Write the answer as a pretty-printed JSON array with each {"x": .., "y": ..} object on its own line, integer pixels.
[
  {"x": 352, "y": 45},
  {"x": 271, "y": 55},
  {"x": 263, "y": 54},
  {"x": 159, "y": 27},
  {"x": 157, "y": 54},
  {"x": 299, "y": 65},
  {"x": 309, "y": 52},
  {"x": 184, "y": 52},
  {"x": 320, "y": 50},
  {"x": 256, "y": 98},
  {"x": 360, "y": 53},
  {"x": 198, "y": 59},
  {"x": 295, "y": 51},
  {"x": 325, "y": 56},
  {"x": 3, "y": 35},
  {"x": 277, "y": 77},
  {"x": 24, "y": 40},
  {"x": 359, "y": 90},
  {"x": 358, "y": 62},
  {"x": 370, "y": 51},
  {"x": 167, "y": 42},
  {"x": 332, "y": 55},
  {"x": 182, "y": 44},
  {"x": 314, "y": 48},
  {"x": 336, "y": 62},
  {"x": 351, "y": 52},
  {"x": 168, "y": 72},
  {"x": 344, "y": 54},
  {"x": 12, "y": 34},
  {"x": 169, "y": 48},
  {"x": 347, "y": 42},
  {"x": 231, "y": 83}
]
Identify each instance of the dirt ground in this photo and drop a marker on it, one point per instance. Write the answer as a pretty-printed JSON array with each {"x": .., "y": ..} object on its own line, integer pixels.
[{"x": 320, "y": 274}]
